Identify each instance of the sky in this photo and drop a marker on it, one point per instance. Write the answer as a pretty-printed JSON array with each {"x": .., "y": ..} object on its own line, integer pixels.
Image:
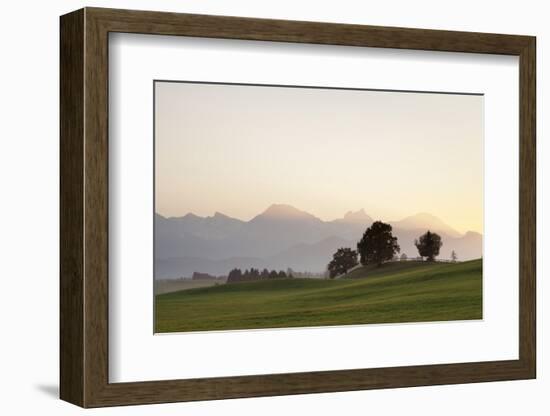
[{"x": 237, "y": 149}]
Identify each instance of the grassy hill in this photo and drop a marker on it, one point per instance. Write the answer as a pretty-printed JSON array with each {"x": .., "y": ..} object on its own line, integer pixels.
[{"x": 395, "y": 292}]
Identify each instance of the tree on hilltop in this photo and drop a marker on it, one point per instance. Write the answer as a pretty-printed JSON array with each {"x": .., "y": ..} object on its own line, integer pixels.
[
  {"x": 235, "y": 275},
  {"x": 377, "y": 244},
  {"x": 428, "y": 245},
  {"x": 343, "y": 260}
]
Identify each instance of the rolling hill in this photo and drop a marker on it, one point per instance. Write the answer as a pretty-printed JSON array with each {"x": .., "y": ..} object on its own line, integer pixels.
[{"x": 396, "y": 292}]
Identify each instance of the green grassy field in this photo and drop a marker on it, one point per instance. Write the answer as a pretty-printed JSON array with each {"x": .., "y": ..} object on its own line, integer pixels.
[{"x": 395, "y": 292}]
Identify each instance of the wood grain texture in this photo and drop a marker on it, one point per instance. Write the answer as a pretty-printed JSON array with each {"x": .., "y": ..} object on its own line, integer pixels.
[
  {"x": 96, "y": 208},
  {"x": 162, "y": 23},
  {"x": 84, "y": 207},
  {"x": 527, "y": 208},
  {"x": 71, "y": 207}
]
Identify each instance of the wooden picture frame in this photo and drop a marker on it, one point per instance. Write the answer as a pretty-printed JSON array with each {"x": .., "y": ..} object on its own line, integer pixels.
[{"x": 84, "y": 207}]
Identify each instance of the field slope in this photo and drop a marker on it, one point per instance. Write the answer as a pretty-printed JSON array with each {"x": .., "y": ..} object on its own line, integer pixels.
[{"x": 395, "y": 292}]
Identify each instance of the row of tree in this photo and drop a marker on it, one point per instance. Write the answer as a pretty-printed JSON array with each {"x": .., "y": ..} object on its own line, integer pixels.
[
  {"x": 379, "y": 245},
  {"x": 237, "y": 275},
  {"x": 404, "y": 257}
]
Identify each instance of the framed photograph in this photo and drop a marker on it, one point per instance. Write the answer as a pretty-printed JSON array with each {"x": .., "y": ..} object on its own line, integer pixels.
[{"x": 255, "y": 207}]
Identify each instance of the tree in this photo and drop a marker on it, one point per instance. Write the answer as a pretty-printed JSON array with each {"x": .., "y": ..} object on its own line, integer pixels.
[
  {"x": 454, "y": 257},
  {"x": 343, "y": 260},
  {"x": 428, "y": 245},
  {"x": 265, "y": 274},
  {"x": 403, "y": 257},
  {"x": 378, "y": 244},
  {"x": 273, "y": 274},
  {"x": 281, "y": 275},
  {"x": 235, "y": 275}
]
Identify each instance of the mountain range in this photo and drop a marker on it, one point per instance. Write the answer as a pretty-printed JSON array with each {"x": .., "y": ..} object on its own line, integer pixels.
[{"x": 281, "y": 237}]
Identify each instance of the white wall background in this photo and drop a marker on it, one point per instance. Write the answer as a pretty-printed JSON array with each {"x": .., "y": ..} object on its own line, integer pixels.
[{"x": 29, "y": 159}]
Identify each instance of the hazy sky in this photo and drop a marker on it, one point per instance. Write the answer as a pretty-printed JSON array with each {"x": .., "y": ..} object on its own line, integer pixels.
[{"x": 238, "y": 149}]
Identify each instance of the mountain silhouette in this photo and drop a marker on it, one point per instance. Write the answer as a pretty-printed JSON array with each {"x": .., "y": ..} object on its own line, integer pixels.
[
  {"x": 424, "y": 221},
  {"x": 283, "y": 236},
  {"x": 285, "y": 212}
]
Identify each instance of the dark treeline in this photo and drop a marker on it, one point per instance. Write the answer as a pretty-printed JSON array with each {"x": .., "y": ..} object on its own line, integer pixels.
[{"x": 236, "y": 275}]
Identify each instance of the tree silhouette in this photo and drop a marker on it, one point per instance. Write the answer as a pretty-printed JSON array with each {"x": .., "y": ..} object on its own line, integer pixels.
[
  {"x": 428, "y": 245},
  {"x": 343, "y": 260},
  {"x": 454, "y": 257},
  {"x": 403, "y": 257},
  {"x": 235, "y": 275},
  {"x": 253, "y": 275},
  {"x": 378, "y": 244}
]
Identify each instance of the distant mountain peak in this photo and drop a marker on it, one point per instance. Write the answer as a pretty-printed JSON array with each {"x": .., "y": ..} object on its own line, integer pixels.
[
  {"x": 218, "y": 214},
  {"x": 425, "y": 216},
  {"x": 190, "y": 215},
  {"x": 426, "y": 221},
  {"x": 219, "y": 217},
  {"x": 352, "y": 214},
  {"x": 357, "y": 216},
  {"x": 285, "y": 211}
]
